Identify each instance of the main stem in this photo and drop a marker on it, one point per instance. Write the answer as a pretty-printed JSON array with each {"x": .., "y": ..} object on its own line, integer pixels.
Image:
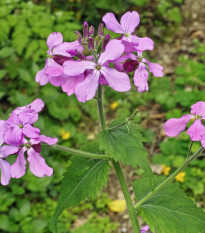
[
  {"x": 121, "y": 178},
  {"x": 170, "y": 178}
]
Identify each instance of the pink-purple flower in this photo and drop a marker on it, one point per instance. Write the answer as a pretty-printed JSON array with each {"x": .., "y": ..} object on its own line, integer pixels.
[
  {"x": 129, "y": 21},
  {"x": 37, "y": 164},
  {"x": 196, "y": 131},
  {"x": 86, "y": 90},
  {"x": 145, "y": 229},
  {"x": 17, "y": 135}
]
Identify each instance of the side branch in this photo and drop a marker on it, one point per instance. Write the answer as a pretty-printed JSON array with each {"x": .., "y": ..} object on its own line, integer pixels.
[
  {"x": 78, "y": 152},
  {"x": 171, "y": 177}
]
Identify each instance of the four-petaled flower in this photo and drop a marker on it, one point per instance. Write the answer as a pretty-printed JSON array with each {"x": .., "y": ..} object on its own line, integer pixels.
[{"x": 196, "y": 131}]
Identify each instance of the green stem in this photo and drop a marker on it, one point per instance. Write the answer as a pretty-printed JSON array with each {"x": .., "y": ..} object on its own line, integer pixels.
[
  {"x": 130, "y": 207},
  {"x": 78, "y": 152},
  {"x": 100, "y": 108},
  {"x": 170, "y": 178},
  {"x": 121, "y": 178}
]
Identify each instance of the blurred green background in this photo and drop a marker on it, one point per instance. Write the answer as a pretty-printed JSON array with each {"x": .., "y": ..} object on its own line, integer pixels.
[{"x": 27, "y": 204}]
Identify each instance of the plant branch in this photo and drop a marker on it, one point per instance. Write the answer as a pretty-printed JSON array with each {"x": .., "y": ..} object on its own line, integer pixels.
[
  {"x": 77, "y": 152},
  {"x": 171, "y": 177},
  {"x": 126, "y": 120},
  {"x": 121, "y": 178}
]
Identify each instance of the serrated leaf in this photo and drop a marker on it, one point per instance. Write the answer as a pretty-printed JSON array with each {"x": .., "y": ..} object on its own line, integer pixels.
[
  {"x": 125, "y": 143},
  {"x": 169, "y": 210},
  {"x": 84, "y": 178}
]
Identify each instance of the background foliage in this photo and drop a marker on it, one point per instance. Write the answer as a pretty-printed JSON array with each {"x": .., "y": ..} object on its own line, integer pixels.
[{"x": 27, "y": 205}]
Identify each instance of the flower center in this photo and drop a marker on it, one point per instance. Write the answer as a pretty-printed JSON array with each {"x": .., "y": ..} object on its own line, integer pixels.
[
  {"x": 198, "y": 117},
  {"x": 20, "y": 125},
  {"x": 98, "y": 67},
  {"x": 127, "y": 34},
  {"x": 28, "y": 145},
  {"x": 50, "y": 56}
]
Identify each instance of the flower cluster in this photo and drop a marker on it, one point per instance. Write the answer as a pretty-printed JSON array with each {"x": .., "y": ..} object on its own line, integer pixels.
[
  {"x": 196, "y": 131},
  {"x": 17, "y": 136},
  {"x": 80, "y": 66}
]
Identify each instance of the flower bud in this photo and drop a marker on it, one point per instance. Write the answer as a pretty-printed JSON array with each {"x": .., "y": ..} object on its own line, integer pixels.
[
  {"x": 91, "y": 31},
  {"x": 101, "y": 29},
  {"x": 105, "y": 41},
  {"x": 130, "y": 65},
  {"x": 60, "y": 59},
  {"x": 79, "y": 36},
  {"x": 85, "y": 30},
  {"x": 90, "y": 43}
]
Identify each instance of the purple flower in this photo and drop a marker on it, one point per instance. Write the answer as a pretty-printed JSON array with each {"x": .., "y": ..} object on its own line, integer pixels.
[
  {"x": 19, "y": 125},
  {"x": 117, "y": 80},
  {"x": 196, "y": 131},
  {"x": 4, "y": 152},
  {"x": 145, "y": 229},
  {"x": 129, "y": 21},
  {"x": 57, "y": 55},
  {"x": 131, "y": 62},
  {"x": 37, "y": 164}
]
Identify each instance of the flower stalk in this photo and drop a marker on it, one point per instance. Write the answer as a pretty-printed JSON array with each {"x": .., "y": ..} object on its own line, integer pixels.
[
  {"x": 121, "y": 178},
  {"x": 171, "y": 177}
]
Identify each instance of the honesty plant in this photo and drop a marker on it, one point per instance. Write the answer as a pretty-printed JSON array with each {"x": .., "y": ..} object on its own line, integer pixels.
[{"x": 82, "y": 68}]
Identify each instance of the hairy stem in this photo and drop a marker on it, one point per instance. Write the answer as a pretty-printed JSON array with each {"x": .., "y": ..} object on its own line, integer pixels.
[
  {"x": 121, "y": 178},
  {"x": 170, "y": 178},
  {"x": 77, "y": 152}
]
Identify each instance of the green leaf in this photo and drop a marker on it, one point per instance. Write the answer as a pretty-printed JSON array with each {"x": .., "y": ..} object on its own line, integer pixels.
[
  {"x": 125, "y": 143},
  {"x": 84, "y": 178},
  {"x": 169, "y": 210}
]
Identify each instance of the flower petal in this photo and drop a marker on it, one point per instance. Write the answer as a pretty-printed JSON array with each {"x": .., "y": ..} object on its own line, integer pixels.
[
  {"x": 144, "y": 43},
  {"x": 55, "y": 38},
  {"x": 13, "y": 136},
  {"x": 63, "y": 47},
  {"x": 37, "y": 105},
  {"x": 118, "y": 81},
  {"x": 203, "y": 141},
  {"x": 196, "y": 131},
  {"x": 155, "y": 68},
  {"x": 129, "y": 21},
  {"x": 5, "y": 172},
  {"x": 86, "y": 90},
  {"x": 198, "y": 108},
  {"x": 3, "y": 127},
  {"x": 71, "y": 83},
  {"x": 31, "y": 131},
  {"x": 37, "y": 164},
  {"x": 42, "y": 77},
  {"x": 175, "y": 126},
  {"x": 8, "y": 150},
  {"x": 75, "y": 68},
  {"x": 18, "y": 168},
  {"x": 112, "y": 23},
  {"x": 44, "y": 139},
  {"x": 113, "y": 50},
  {"x": 140, "y": 78},
  {"x": 58, "y": 80}
]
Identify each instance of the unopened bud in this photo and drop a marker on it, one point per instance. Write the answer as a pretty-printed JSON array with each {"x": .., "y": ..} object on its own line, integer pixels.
[
  {"x": 91, "y": 31},
  {"x": 90, "y": 43},
  {"x": 130, "y": 65},
  {"x": 105, "y": 41},
  {"x": 60, "y": 59},
  {"x": 101, "y": 29},
  {"x": 85, "y": 30},
  {"x": 79, "y": 36}
]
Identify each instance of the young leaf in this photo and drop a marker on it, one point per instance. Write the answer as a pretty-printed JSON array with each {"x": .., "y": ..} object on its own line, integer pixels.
[
  {"x": 84, "y": 178},
  {"x": 125, "y": 143},
  {"x": 169, "y": 210}
]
